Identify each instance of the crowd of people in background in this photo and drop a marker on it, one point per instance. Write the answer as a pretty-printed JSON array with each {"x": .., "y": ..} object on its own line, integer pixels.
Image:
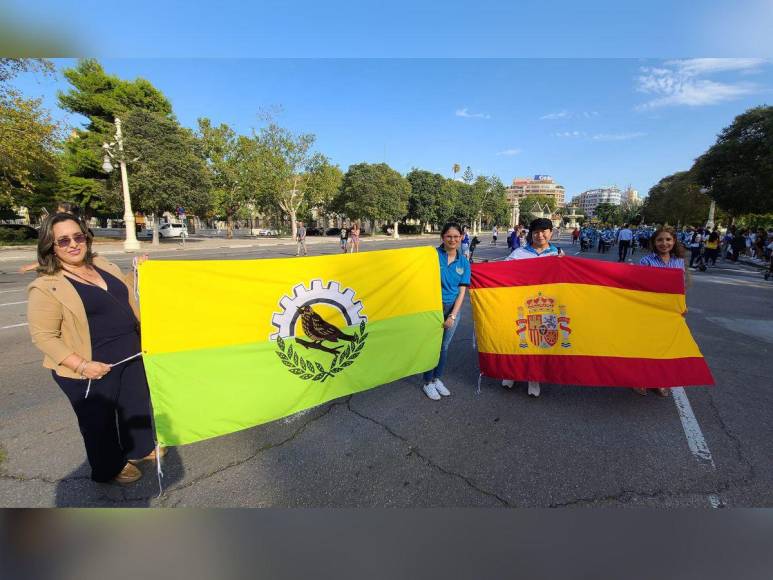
[{"x": 706, "y": 246}]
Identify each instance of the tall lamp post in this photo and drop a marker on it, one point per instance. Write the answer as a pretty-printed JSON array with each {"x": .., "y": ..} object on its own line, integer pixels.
[{"x": 130, "y": 244}]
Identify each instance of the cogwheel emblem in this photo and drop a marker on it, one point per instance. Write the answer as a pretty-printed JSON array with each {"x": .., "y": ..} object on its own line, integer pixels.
[{"x": 318, "y": 334}]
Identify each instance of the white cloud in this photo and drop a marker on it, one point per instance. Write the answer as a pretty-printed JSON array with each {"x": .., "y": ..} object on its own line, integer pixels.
[
  {"x": 569, "y": 115},
  {"x": 569, "y": 134},
  {"x": 558, "y": 115},
  {"x": 699, "y": 66},
  {"x": 509, "y": 152},
  {"x": 682, "y": 83},
  {"x": 617, "y": 136},
  {"x": 465, "y": 112}
]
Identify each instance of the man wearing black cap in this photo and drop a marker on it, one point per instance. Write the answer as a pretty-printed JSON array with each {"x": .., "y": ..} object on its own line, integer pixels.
[{"x": 537, "y": 246}]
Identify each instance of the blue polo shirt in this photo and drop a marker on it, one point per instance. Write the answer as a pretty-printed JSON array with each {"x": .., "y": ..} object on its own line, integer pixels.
[{"x": 452, "y": 275}]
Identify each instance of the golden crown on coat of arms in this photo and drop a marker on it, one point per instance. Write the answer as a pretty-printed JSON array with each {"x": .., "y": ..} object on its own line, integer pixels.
[{"x": 540, "y": 303}]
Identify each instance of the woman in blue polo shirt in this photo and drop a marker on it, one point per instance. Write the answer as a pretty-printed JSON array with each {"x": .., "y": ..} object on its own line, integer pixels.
[{"x": 454, "y": 279}]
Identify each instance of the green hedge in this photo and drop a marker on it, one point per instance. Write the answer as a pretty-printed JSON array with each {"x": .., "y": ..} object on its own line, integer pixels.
[{"x": 14, "y": 237}]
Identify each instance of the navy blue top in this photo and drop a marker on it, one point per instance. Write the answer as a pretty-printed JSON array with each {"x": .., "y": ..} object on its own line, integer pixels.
[
  {"x": 452, "y": 275},
  {"x": 109, "y": 314}
]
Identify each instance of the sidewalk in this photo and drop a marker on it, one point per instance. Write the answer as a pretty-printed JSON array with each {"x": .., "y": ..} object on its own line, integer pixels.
[{"x": 192, "y": 244}]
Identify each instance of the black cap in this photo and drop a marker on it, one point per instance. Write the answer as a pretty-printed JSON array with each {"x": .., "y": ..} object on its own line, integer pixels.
[{"x": 541, "y": 224}]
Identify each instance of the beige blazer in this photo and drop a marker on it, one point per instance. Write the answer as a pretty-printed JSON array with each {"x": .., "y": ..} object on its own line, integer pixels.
[{"x": 57, "y": 318}]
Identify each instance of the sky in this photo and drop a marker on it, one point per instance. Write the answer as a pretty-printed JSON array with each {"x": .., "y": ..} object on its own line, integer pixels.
[{"x": 587, "y": 122}]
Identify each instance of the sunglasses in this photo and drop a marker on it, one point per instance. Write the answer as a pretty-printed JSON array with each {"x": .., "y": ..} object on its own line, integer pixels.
[{"x": 65, "y": 241}]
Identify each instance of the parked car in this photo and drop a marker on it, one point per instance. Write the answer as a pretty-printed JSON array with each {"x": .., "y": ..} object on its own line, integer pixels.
[
  {"x": 30, "y": 233},
  {"x": 262, "y": 232},
  {"x": 333, "y": 232},
  {"x": 313, "y": 232},
  {"x": 166, "y": 230}
]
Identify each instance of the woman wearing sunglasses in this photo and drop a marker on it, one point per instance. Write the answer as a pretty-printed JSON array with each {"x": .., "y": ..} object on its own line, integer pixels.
[{"x": 83, "y": 318}]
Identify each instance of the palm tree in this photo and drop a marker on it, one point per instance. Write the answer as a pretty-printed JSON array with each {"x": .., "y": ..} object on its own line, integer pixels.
[{"x": 456, "y": 169}]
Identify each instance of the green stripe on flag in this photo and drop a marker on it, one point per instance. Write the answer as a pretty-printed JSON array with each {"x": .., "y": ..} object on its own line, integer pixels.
[{"x": 212, "y": 392}]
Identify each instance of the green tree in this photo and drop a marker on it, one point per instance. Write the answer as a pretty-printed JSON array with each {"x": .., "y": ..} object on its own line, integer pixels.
[
  {"x": 608, "y": 213},
  {"x": 677, "y": 200},
  {"x": 10, "y": 67},
  {"x": 169, "y": 171},
  {"x": 29, "y": 142},
  {"x": 322, "y": 182},
  {"x": 456, "y": 169},
  {"x": 452, "y": 203},
  {"x": 101, "y": 98},
  {"x": 374, "y": 192},
  {"x": 426, "y": 189},
  {"x": 468, "y": 177},
  {"x": 283, "y": 159},
  {"x": 738, "y": 169},
  {"x": 493, "y": 203},
  {"x": 227, "y": 155}
]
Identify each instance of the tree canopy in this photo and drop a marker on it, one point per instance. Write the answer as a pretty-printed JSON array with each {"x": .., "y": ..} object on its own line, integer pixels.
[
  {"x": 737, "y": 170},
  {"x": 676, "y": 199},
  {"x": 374, "y": 192}
]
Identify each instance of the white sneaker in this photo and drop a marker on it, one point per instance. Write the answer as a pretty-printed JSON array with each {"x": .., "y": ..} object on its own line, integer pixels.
[
  {"x": 533, "y": 389},
  {"x": 431, "y": 391},
  {"x": 508, "y": 383},
  {"x": 441, "y": 388}
]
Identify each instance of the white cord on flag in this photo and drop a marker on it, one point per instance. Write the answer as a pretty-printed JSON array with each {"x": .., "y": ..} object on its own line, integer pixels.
[
  {"x": 159, "y": 473},
  {"x": 88, "y": 387}
]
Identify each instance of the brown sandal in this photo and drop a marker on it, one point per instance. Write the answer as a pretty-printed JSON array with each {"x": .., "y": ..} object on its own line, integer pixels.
[
  {"x": 129, "y": 474},
  {"x": 642, "y": 391},
  {"x": 663, "y": 392}
]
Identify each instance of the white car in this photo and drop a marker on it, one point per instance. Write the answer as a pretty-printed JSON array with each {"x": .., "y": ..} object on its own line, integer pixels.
[{"x": 166, "y": 230}]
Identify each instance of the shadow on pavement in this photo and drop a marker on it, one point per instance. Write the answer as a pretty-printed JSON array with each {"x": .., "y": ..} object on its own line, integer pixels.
[{"x": 78, "y": 490}]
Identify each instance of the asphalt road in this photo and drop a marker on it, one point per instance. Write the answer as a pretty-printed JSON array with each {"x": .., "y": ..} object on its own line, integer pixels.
[{"x": 391, "y": 446}]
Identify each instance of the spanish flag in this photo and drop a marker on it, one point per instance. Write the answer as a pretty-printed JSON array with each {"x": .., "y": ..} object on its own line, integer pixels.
[
  {"x": 229, "y": 344},
  {"x": 584, "y": 322}
]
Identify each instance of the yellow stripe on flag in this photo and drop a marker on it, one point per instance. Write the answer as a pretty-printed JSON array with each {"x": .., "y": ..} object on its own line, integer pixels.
[
  {"x": 604, "y": 321},
  {"x": 217, "y": 303}
]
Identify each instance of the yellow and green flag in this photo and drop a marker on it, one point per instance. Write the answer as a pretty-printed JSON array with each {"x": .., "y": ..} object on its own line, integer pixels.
[{"x": 229, "y": 344}]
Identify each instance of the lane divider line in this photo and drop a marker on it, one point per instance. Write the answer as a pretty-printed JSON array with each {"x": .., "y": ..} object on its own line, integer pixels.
[
  {"x": 13, "y": 303},
  {"x": 13, "y": 326},
  {"x": 695, "y": 439}
]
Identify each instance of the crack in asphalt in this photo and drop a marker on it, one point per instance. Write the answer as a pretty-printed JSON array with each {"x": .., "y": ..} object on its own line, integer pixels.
[
  {"x": 752, "y": 473},
  {"x": 167, "y": 492},
  {"x": 414, "y": 450}
]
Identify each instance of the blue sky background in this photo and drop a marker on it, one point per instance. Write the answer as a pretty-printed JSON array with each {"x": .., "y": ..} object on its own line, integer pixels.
[{"x": 588, "y": 123}]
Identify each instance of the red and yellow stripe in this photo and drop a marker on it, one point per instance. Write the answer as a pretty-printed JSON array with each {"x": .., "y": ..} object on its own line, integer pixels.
[{"x": 626, "y": 324}]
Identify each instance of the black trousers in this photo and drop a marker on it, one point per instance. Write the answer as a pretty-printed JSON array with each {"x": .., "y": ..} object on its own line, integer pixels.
[
  {"x": 115, "y": 419},
  {"x": 622, "y": 250}
]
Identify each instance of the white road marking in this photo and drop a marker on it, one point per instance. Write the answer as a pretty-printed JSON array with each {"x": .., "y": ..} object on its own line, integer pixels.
[
  {"x": 695, "y": 439},
  {"x": 13, "y": 303},
  {"x": 13, "y": 326},
  {"x": 6, "y": 291}
]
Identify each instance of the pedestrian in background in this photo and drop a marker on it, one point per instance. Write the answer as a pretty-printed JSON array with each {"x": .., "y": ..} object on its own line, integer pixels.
[
  {"x": 344, "y": 238},
  {"x": 667, "y": 253},
  {"x": 454, "y": 280},
  {"x": 624, "y": 238},
  {"x": 466, "y": 242},
  {"x": 712, "y": 248},
  {"x": 83, "y": 318},
  {"x": 300, "y": 239},
  {"x": 355, "y": 238}
]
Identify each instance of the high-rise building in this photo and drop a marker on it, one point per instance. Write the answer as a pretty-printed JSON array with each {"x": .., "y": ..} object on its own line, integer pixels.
[
  {"x": 539, "y": 185},
  {"x": 588, "y": 200}
]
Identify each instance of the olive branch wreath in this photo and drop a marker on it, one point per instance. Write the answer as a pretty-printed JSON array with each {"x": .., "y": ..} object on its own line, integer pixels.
[{"x": 306, "y": 369}]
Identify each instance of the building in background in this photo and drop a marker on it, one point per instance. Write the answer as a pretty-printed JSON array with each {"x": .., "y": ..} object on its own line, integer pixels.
[
  {"x": 539, "y": 185},
  {"x": 631, "y": 196},
  {"x": 590, "y": 199}
]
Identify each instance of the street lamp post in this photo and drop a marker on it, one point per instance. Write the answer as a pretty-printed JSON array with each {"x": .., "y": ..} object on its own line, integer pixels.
[{"x": 130, "y": 244}]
